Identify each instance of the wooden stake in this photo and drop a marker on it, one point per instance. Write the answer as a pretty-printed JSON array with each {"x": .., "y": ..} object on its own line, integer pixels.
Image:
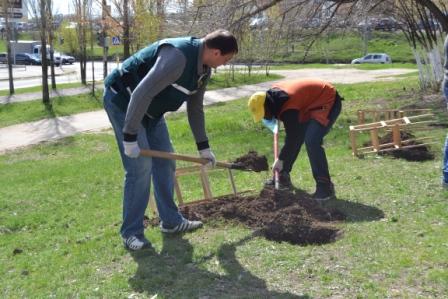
[
  {"x": 374, "y": 139},
  {"x": 205, "y": 184},
  {"x": 178, "y": 192},
  {"x": 353, "y": 141},
  {"x": 232, "y": 181},
  {"x": 396, "y": 136}
]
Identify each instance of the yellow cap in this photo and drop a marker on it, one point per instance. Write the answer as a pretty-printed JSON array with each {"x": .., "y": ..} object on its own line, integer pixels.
[{"x": 256, "y": 105}]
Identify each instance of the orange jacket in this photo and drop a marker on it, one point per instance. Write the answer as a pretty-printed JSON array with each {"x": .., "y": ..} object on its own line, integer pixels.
[{"x": 312, "y": 97}]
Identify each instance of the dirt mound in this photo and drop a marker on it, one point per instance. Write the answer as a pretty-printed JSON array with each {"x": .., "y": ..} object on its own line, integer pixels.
[
  {"x": 419, "y": 153},
  {"x": 278, "y": 215},
  {"x": 252, "y": 161}
]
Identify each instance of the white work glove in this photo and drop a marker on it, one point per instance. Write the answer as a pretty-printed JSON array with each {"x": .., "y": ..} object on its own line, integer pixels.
[
  {"x": 131, "y": 149},
  {"x": 208, "y": 154},
  {"x": 277, "y": 166}
]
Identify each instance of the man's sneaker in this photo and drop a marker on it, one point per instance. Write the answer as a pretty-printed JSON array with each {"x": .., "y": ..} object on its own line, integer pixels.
[
  {"x": 324, "y": 192},
  {"x": 134, "y": 243},
  {"x": 185, "y": 226},
  {"x": 284, "y": 181}
]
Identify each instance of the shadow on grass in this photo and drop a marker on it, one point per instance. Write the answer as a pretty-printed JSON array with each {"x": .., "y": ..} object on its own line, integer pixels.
[
  {"x": 354, "y": 211},
  {"x": 173, "y": 273}
]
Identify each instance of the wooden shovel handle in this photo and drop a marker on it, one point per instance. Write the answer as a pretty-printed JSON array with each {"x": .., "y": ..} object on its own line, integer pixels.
[{"x": 173, "y": 156}]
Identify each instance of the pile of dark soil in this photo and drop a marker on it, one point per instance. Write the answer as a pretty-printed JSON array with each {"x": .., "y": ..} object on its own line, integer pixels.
[
  {"x": 278, "y": 215},
  {"x": 252, "y": 161},
  {"x": 419, "y": 153}
]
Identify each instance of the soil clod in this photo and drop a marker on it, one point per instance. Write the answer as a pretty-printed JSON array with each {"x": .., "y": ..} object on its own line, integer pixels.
[{"x": 251, "y": 161}]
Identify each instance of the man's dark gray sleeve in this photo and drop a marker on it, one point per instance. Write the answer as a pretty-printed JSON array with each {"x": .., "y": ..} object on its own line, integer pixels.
[
  {"x": 196, "y": 119},
  {"x": 167, "y": 69}
]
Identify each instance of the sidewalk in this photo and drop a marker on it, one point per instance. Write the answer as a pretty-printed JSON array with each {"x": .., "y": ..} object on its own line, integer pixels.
[
  {"x": 25, "y": 134},
  {"x": 26, "y": 71}
]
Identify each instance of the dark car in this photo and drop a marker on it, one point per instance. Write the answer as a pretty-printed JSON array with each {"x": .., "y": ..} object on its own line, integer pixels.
[
  {"x": 25, "y": 58},
  {"x": 386, "y": 24},
  {"x": 3, "y": 57}
]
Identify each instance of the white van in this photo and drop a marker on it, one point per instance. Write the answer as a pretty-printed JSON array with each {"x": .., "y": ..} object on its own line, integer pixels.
[
  {"x": 373, "y": 58},
  {"x": 56, "y": 58}
]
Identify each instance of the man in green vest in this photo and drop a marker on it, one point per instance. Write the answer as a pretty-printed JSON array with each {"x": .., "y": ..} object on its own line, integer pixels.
[{"x": 155, "y": 80}]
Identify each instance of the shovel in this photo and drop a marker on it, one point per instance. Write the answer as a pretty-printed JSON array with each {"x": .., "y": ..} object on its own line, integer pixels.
[
  {"x": 273, "y": 126},
  {"x": 173, "y": 156}
]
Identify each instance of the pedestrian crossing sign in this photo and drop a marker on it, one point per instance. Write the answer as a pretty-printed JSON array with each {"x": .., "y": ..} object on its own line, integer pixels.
[{"x": 115, "y": 40}]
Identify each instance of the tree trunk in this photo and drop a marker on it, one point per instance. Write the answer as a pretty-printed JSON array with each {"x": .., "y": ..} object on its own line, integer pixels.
[
  {"x": 160, "y": 10},
  {"x": 10, "y": 59},
  {"x": 91, "y": 52},
  {"x": 43, "y": 35},
  {"x": 105, "y": 12},
  {"x": 51, "y": 41},
  {"x": 436, "y": 12},
  {"x": 126, "y": 39}
]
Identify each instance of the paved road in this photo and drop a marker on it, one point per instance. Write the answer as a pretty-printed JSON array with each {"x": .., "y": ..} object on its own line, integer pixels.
[{"x": 21, "y": 135}]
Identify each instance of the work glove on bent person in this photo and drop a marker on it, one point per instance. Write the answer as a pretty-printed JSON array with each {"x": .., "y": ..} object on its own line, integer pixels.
[
  {"x": 277, "y": 166},
  {"x": 207, "y": 153},
  {"x": 131, "y": 149}
]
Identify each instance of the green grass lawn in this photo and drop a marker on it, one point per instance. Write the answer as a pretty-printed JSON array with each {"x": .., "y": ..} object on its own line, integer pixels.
[
  {"x": 60, "y": 212},
  {"x": 15, "y": 113},
  {"x": 343, "y": 47}
]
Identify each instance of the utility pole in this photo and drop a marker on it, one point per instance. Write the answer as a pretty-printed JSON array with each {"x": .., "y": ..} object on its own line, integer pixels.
[
  {"x": 10, "y": 59},
  {"x": 105, "y": 12}
]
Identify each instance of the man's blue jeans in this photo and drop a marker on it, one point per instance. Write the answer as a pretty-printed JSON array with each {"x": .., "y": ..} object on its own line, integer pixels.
[
  {"x": 445, "y": 156},
  {"x": 139, "y": 172},
  {"x": 313, "y": 133}
]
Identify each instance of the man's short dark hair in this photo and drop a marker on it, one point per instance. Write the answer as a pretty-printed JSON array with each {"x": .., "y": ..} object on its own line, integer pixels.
[{"x": 222, "y": 40}]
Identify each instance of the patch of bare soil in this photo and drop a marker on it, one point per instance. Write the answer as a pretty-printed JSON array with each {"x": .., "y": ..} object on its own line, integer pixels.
[
  {"x": 251, "y": 161},
  {"x": 433, "y": 101},
  {"x": 418, "y": 153},
  {"x": 279, "y": 215}
]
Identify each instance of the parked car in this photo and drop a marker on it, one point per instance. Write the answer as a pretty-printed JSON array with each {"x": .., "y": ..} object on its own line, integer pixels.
[
  {"x": 3, "y": 57},
  {"x": 26, "y": 58},
  {"x": 57, "y": 59},
  {"x": 37, "y": 58},
  {"x": 386, "y": 24},
  {"x": 67, "y": 59},
  {"x": 373, "y": 58}
]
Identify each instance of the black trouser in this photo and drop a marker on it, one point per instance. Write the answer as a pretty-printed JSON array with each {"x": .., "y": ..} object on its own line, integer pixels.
[{"x": 312, "y": 134}]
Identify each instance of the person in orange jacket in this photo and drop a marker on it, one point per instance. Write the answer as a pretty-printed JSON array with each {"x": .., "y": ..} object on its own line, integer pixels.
[{"x": 308, "y": 109}]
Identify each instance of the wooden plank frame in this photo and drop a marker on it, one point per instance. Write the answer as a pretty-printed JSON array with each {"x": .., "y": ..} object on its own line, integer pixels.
[
  {"x": 202, "y": 172},
  {"x": 396, "y": 126},
  {"x": 387, "y": 114}
]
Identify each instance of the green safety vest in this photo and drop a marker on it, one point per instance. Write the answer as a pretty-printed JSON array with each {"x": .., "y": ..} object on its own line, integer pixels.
[{"x": 133, "y": 69}]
